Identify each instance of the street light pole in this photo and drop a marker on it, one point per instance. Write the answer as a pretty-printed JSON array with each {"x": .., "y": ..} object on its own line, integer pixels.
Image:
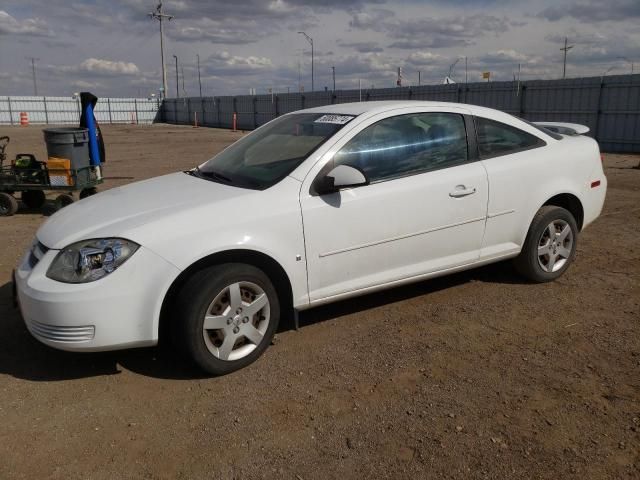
[
  {"x": 452, "y": 66},
  {"x": 627, "y": 60},
  {"x": 199, "y": 80},
  {"x": 607, "y": 71},
  {"x": 310, "y": 40},
  {"x": 333, "y": 69},
  {"x": 177, "y": 83},
  {"x": 466, "y": 72}
]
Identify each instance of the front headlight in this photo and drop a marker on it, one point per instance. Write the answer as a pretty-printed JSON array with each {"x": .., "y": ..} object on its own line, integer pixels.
[{"x": 90, "y": 260}]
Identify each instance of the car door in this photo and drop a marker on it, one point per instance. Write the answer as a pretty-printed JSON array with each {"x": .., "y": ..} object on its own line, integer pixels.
[
  {"x": 511, "y": 158},
  {"x": 423, "y": 211}
]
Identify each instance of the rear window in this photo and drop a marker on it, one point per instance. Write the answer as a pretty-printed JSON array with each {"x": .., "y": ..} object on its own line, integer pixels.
[{"x": 497, "y": 138}]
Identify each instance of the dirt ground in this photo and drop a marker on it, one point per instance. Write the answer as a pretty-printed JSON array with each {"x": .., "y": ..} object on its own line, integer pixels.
[{"x": 476, "y": 375}]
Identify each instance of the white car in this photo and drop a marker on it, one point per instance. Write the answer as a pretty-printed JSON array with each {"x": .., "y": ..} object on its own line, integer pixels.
[{"x": 316, "y": 206}]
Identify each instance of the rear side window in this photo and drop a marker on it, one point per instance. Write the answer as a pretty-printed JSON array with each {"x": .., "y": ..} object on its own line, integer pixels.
[
  {"x": 407, "y": 145},
  {"x": 496, "y": 138}
]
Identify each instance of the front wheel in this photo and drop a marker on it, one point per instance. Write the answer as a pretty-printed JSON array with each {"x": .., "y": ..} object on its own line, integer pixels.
[
  {"x": 550, "y": 246},
  {"x": 226, "y": 316},
  {"x": 8, "y": 205}
]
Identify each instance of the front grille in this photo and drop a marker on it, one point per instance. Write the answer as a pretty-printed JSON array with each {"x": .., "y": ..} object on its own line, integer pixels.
[
  {"x": 62, "y": 334},
  {"x": 37, "y": 252}
]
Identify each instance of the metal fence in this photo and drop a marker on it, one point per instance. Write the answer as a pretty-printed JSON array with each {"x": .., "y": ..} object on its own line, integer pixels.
[
  {"x": 609, "y": 106},
  {"x": 66, "y": 110}
]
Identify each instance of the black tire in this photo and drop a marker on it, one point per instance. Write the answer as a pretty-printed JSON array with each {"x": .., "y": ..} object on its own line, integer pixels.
[
  {"x": 193, "y": 302},
  {"x": 63, "y": 200},
  {"x": 87, "y": 192},
  {"x": 528, "y": 263},
  {"x": 33, "y": 198},
  {"x": 8, "y": 205}
]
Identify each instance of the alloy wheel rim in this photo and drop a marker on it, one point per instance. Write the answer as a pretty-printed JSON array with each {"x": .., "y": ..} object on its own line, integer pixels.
[
  {"x": 236, "y": 321},
  {"x": 555, "y": 246}
]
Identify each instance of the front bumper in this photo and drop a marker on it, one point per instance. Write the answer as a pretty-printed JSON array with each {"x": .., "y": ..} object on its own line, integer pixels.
[{"x": 118, "y": 311}]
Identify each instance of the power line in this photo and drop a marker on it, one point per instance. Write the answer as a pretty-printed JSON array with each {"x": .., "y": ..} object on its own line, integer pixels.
[
  {"x": 566, "y": 48},
  {"x": 33, "y": 73},
  {"x": 161, "y": 16}
]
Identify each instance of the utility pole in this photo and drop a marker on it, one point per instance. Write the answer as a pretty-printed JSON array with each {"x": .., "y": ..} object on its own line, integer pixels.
[
  {"x": 310, "y": 40},
  {"x": 33, "y": 73},
  {"x": 419, "y": 77},
  {"x": 566, "y": 48},
  {"x": 333, "y": 69},
  {"x": 199, "y": 80},
  {"x": 177, "y": 83},
  {"x": 184, "y": 92},
  {"x": 161, "y": 17}
]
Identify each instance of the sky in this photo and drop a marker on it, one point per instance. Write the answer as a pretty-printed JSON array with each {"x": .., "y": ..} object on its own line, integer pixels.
[{"x": 112, "y": 47}]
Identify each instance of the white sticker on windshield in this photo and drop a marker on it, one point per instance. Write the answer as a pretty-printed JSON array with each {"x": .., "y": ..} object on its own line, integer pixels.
[{"x": 337, "y": 119}]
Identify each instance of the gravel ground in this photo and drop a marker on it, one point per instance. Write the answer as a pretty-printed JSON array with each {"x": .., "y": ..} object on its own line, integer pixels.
[{"x": 476, "y": 375}]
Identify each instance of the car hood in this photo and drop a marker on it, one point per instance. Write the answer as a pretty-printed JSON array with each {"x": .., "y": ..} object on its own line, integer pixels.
[{"x": 122, "y": 210}]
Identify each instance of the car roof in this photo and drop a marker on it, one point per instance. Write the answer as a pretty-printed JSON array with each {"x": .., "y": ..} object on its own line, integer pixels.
[
  {"x": 357, "y": 108},
  {"x": 376, "y": 107}
]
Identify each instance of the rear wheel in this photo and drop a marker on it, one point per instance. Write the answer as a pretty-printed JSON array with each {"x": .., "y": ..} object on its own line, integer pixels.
[
  {"x": 63, "y": 200},
  {"x": 550, "y": 246},
  {"x": 226, "y": 316},
  {"x": 33, "y": 198},
  {"x": 8, "y": 205},
  {"x": 87, "y": 192}
]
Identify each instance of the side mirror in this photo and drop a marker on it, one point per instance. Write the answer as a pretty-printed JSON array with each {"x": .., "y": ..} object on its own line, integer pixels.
[{"x": 342, "y": 176}]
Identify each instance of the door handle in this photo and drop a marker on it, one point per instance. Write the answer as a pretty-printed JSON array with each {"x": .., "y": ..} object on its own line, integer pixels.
[{"x": 462, "y": 191}]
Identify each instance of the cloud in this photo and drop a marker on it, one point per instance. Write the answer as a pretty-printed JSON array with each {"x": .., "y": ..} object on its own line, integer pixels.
[
  {"x": 108, "y": 67},
  {"x": 95, "y": 67},
  {"x": 362, "y": 47},
  {"x": 224, "y": 63},
  {"x": 509, "y": 57},
  {"x": 592, "y": 11},
  {"x": 431, "y": 32},
  {"x": 34, "y": 27},
  {"x": 371, "y": 20},
  {"x": 424, "y": 58}
]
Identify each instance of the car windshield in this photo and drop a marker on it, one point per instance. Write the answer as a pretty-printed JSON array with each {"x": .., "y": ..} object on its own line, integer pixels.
[{"x": 267, "y": 155}]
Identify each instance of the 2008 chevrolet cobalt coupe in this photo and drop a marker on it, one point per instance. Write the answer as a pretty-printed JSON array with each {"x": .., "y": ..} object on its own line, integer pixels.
[{"x": 315, "y": 206}]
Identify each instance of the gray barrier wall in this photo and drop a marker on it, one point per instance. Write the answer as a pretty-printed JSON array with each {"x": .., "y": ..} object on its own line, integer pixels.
[
  {"x": 609, "y": 106},
  {"x": 66, "y": 110}
]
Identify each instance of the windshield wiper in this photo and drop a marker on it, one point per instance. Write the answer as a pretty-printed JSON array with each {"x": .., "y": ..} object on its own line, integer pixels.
[{"x": 213, "y": 175}]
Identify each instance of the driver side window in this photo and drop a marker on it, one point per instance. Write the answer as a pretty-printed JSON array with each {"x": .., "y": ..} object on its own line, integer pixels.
[{"x": 407, "y": 145}]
